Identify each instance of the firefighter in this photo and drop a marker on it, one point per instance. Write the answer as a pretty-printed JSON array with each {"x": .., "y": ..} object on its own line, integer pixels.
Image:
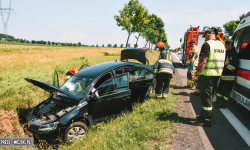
[
  {"x": 164, "y": 72},
  {"x": 71, "y": 72},
  {"x": 192, "y": 60},
  {"x": 228, "y": 75},
  {"x": 163, "y": 50},
  {"x": 209, "y": 70}
]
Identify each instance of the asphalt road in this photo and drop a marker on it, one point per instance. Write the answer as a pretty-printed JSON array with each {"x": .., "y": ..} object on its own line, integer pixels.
[{"x": 225, "y": 132}]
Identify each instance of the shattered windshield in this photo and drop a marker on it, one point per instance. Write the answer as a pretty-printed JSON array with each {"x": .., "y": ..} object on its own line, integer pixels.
[{"x": 77, "y": 86}]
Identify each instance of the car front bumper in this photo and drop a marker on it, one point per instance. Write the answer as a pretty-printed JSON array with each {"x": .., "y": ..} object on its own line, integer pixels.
[{"x": 45, "y": 136}]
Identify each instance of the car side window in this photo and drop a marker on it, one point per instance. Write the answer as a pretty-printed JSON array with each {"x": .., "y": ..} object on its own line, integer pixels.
[
  {"x": 135, "y": 73},
  {"x": 245, "y": 44},
  {"x": 149, "y": 75},
  {"x": 118, "y": 71},
  {"x": 114, "y": 85},
  {"x": 236, "y": 38},
  {"x": 102, "y": 79}
]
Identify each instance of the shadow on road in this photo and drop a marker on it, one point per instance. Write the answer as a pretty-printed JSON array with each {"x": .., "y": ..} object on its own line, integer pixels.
[{"x": 163, "y": 116}]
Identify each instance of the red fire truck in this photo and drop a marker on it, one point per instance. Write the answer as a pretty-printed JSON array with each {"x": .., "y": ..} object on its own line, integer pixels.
[{"x": 194, "y": 34}]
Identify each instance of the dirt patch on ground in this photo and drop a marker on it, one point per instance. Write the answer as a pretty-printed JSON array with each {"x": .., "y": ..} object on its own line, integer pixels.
[{"x": 9, "y": 125}]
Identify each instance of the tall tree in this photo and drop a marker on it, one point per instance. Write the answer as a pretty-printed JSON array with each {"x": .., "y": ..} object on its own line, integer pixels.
[
  {"x": 231, "y": 26},
  {"x": 132, "y": 17},
  {"x": 154, "y": 31}
]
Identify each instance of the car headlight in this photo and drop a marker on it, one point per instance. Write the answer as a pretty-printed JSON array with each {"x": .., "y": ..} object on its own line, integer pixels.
[{"x": 48, "y": 127}]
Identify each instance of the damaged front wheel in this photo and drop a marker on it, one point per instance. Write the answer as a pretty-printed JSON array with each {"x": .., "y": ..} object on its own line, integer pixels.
[{"x": 76, "y": 131}]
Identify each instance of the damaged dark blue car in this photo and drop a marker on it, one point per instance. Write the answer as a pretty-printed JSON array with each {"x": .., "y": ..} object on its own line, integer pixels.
[{"x": 94, "y": 94}]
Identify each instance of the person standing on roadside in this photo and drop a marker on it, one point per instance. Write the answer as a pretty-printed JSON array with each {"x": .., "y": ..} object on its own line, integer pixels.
[
  {"x": 192, "y": 63},
  {"x": 228, "y": 75},
  {"x": 164, "y": 72},
  {"x": 209, "y": 70},
  {"x": 163, "y": 50}
]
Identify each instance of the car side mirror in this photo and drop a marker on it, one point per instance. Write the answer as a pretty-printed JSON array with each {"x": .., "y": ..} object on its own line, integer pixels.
[{"x": 93, "y": 96}]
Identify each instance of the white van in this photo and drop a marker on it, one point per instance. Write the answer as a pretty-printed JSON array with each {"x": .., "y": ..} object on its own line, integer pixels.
[{"x": 241, "y": 37}]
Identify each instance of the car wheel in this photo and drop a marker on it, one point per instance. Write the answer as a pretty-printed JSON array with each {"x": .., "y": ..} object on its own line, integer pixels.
[{"x": 75, "y": 131}]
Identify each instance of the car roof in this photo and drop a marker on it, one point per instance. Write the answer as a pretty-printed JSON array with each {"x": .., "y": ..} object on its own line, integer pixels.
[{"x": 96, "y": 70}]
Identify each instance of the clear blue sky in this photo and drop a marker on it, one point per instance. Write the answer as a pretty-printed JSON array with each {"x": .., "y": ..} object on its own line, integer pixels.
[{"x": 92, "y": 22}]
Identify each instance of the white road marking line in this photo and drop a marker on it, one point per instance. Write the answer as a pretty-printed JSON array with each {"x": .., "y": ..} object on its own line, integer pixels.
[
  {"x": 238, "y": 126},
  {"x": 178, "y": 59}
]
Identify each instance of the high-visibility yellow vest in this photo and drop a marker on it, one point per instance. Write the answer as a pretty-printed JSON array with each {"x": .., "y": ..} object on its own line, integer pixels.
[{"x": 216, "y": 59}]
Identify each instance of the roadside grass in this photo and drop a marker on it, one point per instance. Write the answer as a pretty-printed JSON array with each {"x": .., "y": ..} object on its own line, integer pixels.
[
  {"x": 148, "y": 126},
  {"x": 17, "y": 96}
]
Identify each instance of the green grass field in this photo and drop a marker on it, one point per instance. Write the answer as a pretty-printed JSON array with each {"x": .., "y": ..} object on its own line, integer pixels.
[{"x": 148, "y": 125}]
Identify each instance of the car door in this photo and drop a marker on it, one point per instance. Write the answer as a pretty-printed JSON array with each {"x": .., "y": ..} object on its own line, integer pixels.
[
  {"x": 140, "y": 80},
  {"x": 113, "y": 97}
]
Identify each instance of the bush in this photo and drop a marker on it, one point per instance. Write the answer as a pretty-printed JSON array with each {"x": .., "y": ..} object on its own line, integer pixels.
[
  {"x": 79, "y": 43},
  {"x": 49, "y": 42},
  {"x": 128, "y": 45},
  {"x": 135, "y": 45},
  {"x": 96, "y": 45},
  {"x": 33, "y": 42},
  {"x": 102, "y": 45},
  {"x": 121, "y": 46},
  {"x": 53, "y": 43},
  {"x": 115, "y": 45},
  {"x": 109, "y": 45}
]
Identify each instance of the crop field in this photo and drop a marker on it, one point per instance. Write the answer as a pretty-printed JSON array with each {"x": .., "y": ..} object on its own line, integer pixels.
[{"x": 17, "y": 96}]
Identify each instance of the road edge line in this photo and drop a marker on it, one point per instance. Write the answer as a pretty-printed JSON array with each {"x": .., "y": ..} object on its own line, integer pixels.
[
  {"x": 205, "y": 141},
  {"x": 238, "y": 126}
]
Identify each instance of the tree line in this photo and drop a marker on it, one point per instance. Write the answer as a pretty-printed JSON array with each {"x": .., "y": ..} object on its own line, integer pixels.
[
  {"x": 64, "y": 44},
  {"x": 134, "y": 18}
]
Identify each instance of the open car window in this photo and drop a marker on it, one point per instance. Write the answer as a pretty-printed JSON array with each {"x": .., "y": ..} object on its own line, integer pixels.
[
  {"x": 114, "y": 85},
  {"x": 149, "y": 75},
  {"x": 135, "y": 73}
]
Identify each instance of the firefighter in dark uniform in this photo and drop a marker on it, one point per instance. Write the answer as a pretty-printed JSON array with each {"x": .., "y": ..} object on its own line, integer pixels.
[
  {"x": 163, "y": 50},
  {"x": 228, "y": 75},
  {"x": 164, "y": 72},
  {"x": 209, "y": 70}
]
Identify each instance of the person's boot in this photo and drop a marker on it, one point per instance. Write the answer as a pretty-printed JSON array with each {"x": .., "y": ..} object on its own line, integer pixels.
[
  {"x": 218, "y": 101},
  {"x": 222, "y": 104},
  {"x": 192, "y": 88},
  {"x": 158, "y": 95},
  {"x": 201, "y": 116},
  {"x": 204, "y": 119},
  {"x": 164, "y": 95}
]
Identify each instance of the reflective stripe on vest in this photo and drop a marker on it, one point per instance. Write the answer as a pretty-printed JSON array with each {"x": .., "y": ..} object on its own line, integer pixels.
[
  {"x": 207, "y": 108},
  {"x": 230, "y": 67},
  {"x": 216, "y": 59},
  {"x": 228, "y": 78}
]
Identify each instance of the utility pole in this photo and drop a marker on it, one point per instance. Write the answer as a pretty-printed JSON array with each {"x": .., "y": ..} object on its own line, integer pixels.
[{"x": 8, "y": 11}]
